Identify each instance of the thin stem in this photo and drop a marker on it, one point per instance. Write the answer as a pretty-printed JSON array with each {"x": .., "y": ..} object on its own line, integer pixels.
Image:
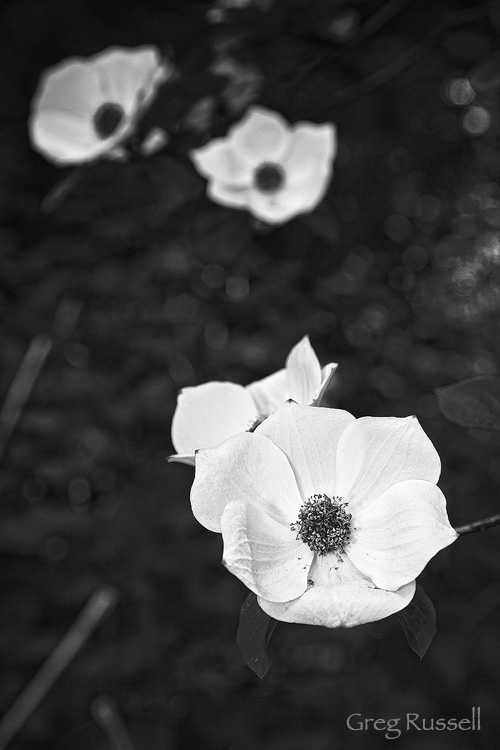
[
  {"x": 97, "y": 606},
  {"x": 397, "y": 66},
  {"x": 22, "y": 385},
  {"x": 27, "y": 374},
  {"x": 484, "y": 523},
  {"x": 375, "y": 22},
  {"x": 106, "y": 715},
  {"x": 58, "y": 193}
]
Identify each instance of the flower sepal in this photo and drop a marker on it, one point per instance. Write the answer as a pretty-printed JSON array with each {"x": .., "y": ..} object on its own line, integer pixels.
[{"x": 177, "y": 458}]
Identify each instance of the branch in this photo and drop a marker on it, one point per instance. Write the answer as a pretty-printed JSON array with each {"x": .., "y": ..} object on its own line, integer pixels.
[
  {"x": 375, "y": 22},
  {"x": 106, "y": 715},
  {"x": 58, "y": 193},
  {"x": 22, "y": 385},
  {"x": 484, "y": 523},
  {"x": 97, "y": 606},
  {"x": 397, "y": 66},
  {"x": 26, "y": 376}
]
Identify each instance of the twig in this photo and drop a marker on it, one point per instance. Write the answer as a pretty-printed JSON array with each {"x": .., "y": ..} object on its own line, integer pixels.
[
  {"x": 104, "y": 711},
  {"x": 25, "y": 378},
  {"x": 397, "y": 66},
  {"x": 377, "y": 20},
  {"x": 56, "y": 196},
  {"x": 484, "y": 523},
  {"x": 21, "y": 386},
  {"x": 97, "y": 606}
]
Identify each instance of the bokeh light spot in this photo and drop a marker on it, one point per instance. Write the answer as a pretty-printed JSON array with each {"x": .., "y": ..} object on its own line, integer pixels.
[
  {"x": 476, "y": 120},
  {"x": 460, "y": 92}
]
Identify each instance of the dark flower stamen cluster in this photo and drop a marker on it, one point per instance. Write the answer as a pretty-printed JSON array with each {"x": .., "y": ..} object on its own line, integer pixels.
[
  {"x": 324, "y": 525},
  {"x": 269, "y": 177},
  {"x": 107, "y": 119}
]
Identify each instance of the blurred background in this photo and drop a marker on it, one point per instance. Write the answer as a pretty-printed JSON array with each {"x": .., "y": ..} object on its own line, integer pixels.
[{"x": 134, "y": 285}]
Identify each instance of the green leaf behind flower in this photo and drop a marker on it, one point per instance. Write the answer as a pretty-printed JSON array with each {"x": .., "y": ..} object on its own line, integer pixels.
[
  {"x": 253, "y": 636},
  {"x": 418, "y": 621}
]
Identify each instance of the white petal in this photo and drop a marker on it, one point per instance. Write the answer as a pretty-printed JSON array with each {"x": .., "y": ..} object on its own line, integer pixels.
[
  {"x": 342, "y": 598},
  {"x": 64, "y": 138},
  {"x": 397, "y": 535},
  {"x": 312, "y": 152},
  {"x": 261, "y": 136},
  {"x": 127, "y": 76},
  {"x": 327, "y": 374},
  {"x": 261, "y": 551},
  {"x": 245, "y": 468},
  {"x": 310, "y": 192},
  {"x": 303, "y": 372},
  {"x": 269, "y": 393},
  {"x": 276, "y": 208},
  {"x": 309, "y": 436},
  {"x": 217, "y": 162},
  {"x": 71, "y": 87},
  {"x": 378, "y": 452},
  {"x": 227, "y": 195},
  {"x": 210, "y": 413}
]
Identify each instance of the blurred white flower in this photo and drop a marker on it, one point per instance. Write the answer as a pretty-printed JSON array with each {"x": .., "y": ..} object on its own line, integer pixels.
[
  {"x": 84, "y": 107},
  {"x": 263, "y": 164},
  {"x": 327, "y": 518},
  {"x": 209, "y": 413},
  {"x": 156, "y": 139}
]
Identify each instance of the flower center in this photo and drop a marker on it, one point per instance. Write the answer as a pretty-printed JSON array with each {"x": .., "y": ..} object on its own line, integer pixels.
[
  {"x": 268, "y": 177},
  {"x": 324, "y": 525},
  {"x": 107, "y": 118}
]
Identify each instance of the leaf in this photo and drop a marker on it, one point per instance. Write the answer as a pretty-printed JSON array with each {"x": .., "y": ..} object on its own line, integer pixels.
[
  {"x": 322, "y": 223},
  {"x": 485, "y": 76},
  {"x": 418, "y": 621},
  {"x": 253, "y": 636},
  {"x": 467, "y": 45},
  {"x": 472, "y": 403},
  {"x": 219, "y": 235}
]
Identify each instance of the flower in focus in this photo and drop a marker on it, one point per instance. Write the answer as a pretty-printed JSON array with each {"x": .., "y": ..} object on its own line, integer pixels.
[
  {"x": 84, "y": 107},
  {"x": 274, "y": 170},
  {"x": 209, "y": 413},
  {"x": 328, "y": 519}
]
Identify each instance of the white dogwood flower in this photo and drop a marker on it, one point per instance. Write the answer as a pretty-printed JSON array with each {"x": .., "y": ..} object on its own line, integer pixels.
[
  {"x": 273, "y": 169},
  {"x": 84, "y": 107},
  {"x": 327, "y": 518},
  {"x": 209, "y": 413}
]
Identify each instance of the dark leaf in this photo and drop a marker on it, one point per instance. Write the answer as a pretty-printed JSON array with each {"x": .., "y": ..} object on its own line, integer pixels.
[
  {"x": 467, "y": 45},
  {"x": 253, "y": 636},
  {"x": 218, "y": 235},
  {"x": 322, "y": 223},
  {"x": 418, "y": 620},
  {"x": 472, "y": 403},
  {"x": 485, "y": 76}
]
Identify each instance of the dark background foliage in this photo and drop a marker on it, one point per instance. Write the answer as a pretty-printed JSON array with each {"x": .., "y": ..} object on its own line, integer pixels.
[{"x": 143, "y": 286}]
